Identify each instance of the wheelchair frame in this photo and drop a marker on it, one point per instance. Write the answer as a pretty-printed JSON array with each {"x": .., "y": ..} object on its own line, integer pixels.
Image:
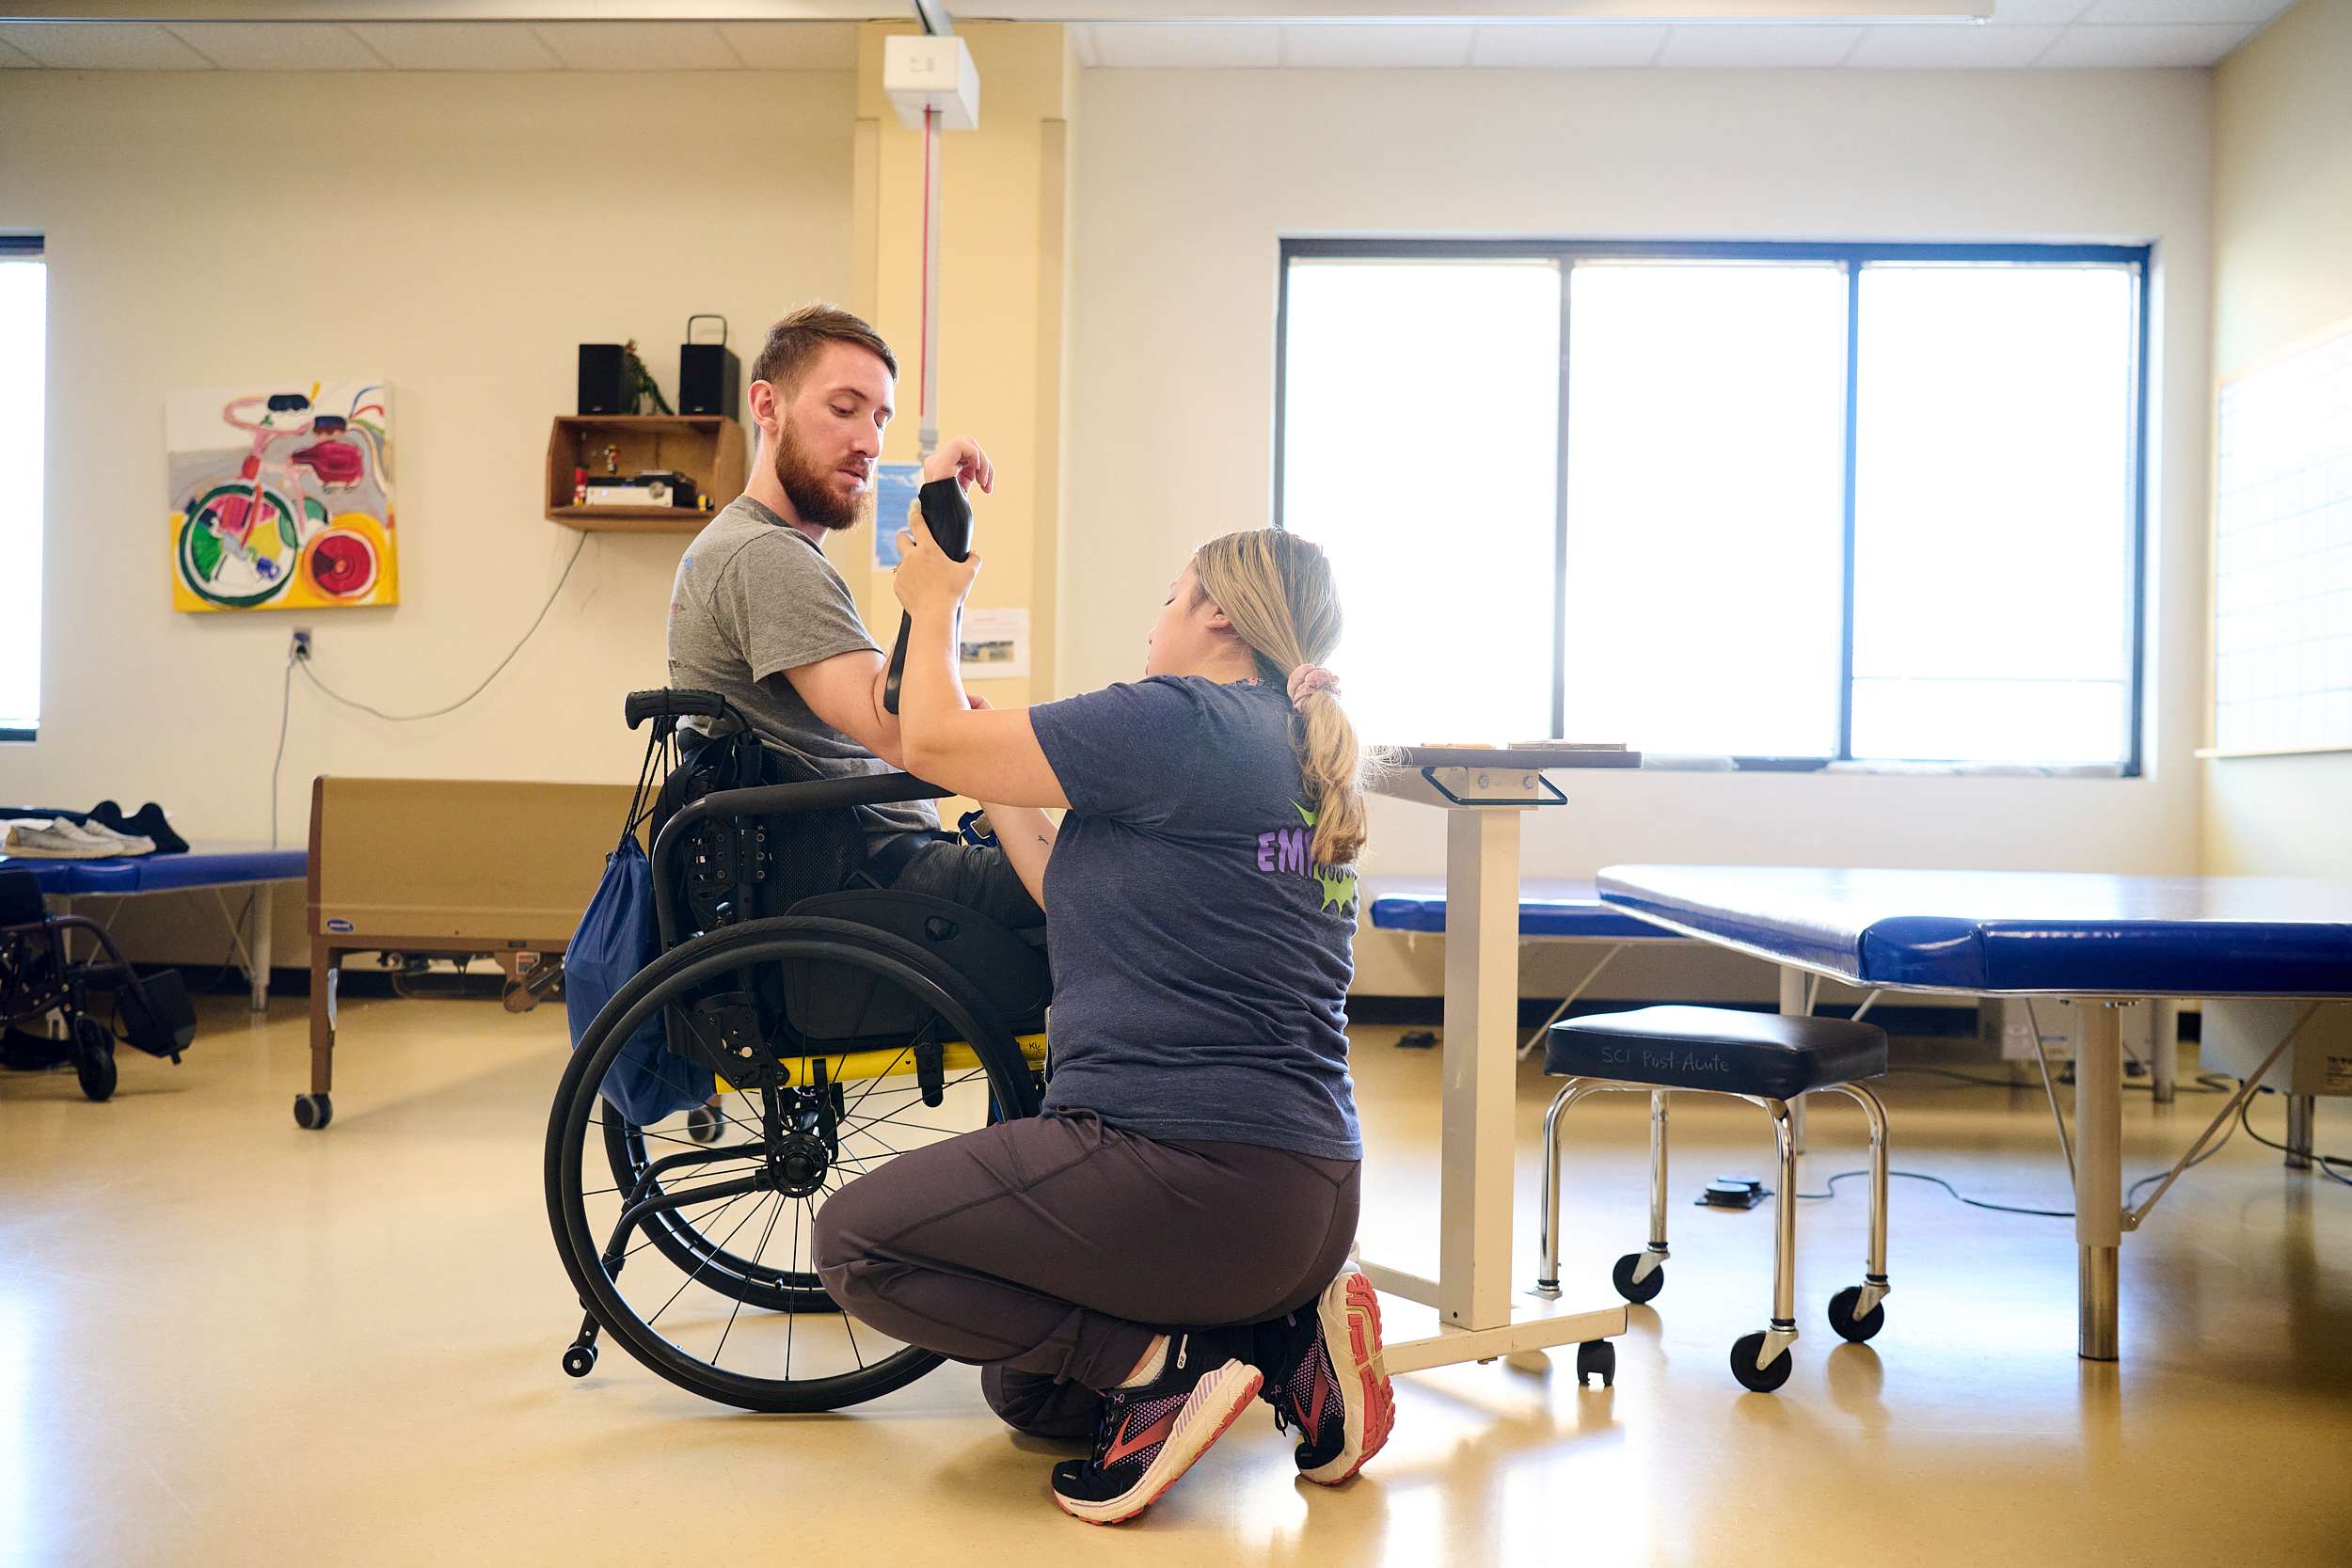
[
  {"x": 38, "y": 976},
  {"x": 810, "y": 932}
]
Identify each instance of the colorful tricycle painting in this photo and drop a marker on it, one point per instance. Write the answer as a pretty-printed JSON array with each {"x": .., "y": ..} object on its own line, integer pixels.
[{"x": 281, "y": 501}]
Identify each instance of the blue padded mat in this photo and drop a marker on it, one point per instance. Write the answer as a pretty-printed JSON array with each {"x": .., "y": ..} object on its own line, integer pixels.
[
  {"x": 1995, "y": 931},
  {"x": 1546, "y": 909}
]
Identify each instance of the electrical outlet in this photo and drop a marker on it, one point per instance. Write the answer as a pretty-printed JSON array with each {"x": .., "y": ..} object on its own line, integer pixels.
[{"x": 301, "y": 642}]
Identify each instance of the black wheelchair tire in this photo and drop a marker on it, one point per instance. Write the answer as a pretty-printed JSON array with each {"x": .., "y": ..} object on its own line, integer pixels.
[
  {"x": 93, "y": 1058},
  {"x": 1011, "y": 1080}
]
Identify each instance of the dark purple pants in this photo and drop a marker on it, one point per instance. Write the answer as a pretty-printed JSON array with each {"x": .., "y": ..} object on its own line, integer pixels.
[{"x": 1051, "y": 1250}]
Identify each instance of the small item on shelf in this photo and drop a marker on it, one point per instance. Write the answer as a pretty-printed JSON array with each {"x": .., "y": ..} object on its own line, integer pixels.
[
  {"x": 580, "y": 487},
  {"x": 652, "y": 487},
  {"x": 612, "y": 460}
]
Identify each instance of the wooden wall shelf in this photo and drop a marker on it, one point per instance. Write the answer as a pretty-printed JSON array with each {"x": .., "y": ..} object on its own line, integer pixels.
[{"x": 707, "y": 448}]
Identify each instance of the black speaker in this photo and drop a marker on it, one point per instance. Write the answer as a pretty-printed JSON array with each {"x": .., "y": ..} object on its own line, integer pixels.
[
  {"x": 709, "y": 377},
  {"x": 603, "y": 387}
]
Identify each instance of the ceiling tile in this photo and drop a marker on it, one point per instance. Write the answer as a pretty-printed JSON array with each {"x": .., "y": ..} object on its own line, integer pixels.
[
  {"x": 2087, "y": 48},
  {"x": 2036, "y": 13},
  {"x": 1744, "y": 44},
  {"x": 103, "y": 46},
  {"x": 1570, "y": 46},
  {"x": 793, "y": 45},
  {"x": 1939, "y": 48},
  {"x": 1347, "y": 46},
  {"x": 457, "y": 45},
  {"x": 2149, "y": 13},
  {"x": 1159, "y": 46},
  {"x": 278, "y": 46},
  {"x": 637, "y": 45}
]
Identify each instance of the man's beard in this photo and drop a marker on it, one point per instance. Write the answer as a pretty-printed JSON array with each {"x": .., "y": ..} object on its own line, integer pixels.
[{"x": 809, "y": 488}]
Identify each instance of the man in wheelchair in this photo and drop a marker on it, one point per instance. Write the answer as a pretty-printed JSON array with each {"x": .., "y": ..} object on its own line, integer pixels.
[{"x": 759, "y": 616}]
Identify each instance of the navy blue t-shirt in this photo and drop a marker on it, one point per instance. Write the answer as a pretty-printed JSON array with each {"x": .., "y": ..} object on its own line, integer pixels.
[{"x": 1201, "y": 958}]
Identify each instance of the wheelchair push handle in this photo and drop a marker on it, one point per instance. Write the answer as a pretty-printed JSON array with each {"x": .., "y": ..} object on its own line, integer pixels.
[
  {"x": 949, "y": 515},
  {"x": 673, "y": 704}
]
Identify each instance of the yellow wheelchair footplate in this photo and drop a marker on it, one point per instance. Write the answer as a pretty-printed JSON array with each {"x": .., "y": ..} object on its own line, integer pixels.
[{"x": 956, "y": 1058}]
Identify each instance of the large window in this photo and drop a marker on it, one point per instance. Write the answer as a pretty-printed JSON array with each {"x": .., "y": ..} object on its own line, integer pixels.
[
  {"x": 23, "y": 312},
  {"x": 1784, "y": 504}
]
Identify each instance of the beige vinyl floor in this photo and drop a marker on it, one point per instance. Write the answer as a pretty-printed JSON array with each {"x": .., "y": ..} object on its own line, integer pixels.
[{"x": 226, "y": 1340}]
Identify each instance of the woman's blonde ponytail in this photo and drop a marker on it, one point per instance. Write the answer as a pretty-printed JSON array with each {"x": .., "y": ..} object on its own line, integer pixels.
[{"x": 1277, "y": 591}]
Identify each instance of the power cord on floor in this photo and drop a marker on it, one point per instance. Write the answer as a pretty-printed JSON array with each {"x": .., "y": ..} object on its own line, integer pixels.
[
  {"x": 2206, "y": 1082},
  {"x": 1922, "y": 1176},
  {"x": 2130, "y": 1193},
  {"x": 2325, "y": 1163}
]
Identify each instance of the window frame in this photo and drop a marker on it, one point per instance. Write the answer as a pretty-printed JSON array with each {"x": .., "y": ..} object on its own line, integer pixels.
[
  {"x": 34, "y": 245},
  {"x": 1852, "y": 258}
]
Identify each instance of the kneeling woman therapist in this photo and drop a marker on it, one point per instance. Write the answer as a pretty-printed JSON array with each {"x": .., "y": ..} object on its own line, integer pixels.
[{"x": 1170, "y": 1238}]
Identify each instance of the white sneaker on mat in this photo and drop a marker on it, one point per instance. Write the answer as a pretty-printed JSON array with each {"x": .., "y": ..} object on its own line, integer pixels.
[
  {"x": 51, "y": 839},
  {"x": 113, "y": 843}
]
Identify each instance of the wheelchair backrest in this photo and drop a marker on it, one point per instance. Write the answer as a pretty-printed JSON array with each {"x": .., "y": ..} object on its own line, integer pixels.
[
  {"x": 19, "y": 899},
  {"x": 745, "y": 868}
]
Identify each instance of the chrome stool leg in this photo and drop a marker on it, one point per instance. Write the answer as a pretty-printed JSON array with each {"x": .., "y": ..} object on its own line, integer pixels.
[
  {"x": 1855, "y": 1312},
  {"x": 1640, "y": 1275},
  {"x": 1547, "y": 1237},
  {"x": 1761, "y": 1361}
]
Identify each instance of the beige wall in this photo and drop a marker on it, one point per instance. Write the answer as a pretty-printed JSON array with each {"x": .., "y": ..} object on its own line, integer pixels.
[
  {"x": 1188, "y": 180},
  {"x": 457, "y": 236},
  {"x": 2282, "y": 270}
]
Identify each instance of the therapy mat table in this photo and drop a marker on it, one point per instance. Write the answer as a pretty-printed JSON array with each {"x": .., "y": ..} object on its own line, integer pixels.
[{"x": 2098, "y": 940}]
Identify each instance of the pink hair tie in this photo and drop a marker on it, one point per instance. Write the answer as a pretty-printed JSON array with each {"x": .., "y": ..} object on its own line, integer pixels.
[{"x": 1308, "y": 679}]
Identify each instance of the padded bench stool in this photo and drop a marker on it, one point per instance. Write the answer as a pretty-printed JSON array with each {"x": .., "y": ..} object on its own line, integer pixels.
[{"x": 1765, "y": 1058}]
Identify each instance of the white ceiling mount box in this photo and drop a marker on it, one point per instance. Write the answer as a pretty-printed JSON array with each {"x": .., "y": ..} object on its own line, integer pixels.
[{"x": 920, "y": 74}]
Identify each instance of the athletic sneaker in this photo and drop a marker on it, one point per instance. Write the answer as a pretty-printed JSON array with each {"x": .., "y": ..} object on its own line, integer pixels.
[
  {"x": 1330, "y": 1381},
  {"x": 1150, "y": 1436}
]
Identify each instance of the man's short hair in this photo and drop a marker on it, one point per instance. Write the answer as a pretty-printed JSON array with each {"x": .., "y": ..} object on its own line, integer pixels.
[{"x": 794, "y": 343}]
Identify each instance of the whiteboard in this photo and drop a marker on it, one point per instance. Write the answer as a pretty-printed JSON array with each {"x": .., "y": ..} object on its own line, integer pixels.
[{"x": 2282, "y": 553}]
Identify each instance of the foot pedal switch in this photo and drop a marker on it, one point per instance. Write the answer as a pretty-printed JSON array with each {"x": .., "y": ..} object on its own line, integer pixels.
[{"x": 1733, "y": 1192}]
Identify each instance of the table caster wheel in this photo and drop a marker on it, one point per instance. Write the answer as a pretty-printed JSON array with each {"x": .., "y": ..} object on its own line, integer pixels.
[
  {"x": 313, "y": 1111},
  {"x": 579, "y": 1360},
  {"x": 93, "y": 1056},
  {"x": 1597, "y": 1357},
  {"x": 1621, "y": 1278},
  {"x": 1762, "y": 1380},
  {"x": 1846, "y": 1326},
  {"x": 703, "y": 1125}
]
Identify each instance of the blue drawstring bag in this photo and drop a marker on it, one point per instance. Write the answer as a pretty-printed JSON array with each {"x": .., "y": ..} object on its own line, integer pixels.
[{"x": 617, "y": 936}]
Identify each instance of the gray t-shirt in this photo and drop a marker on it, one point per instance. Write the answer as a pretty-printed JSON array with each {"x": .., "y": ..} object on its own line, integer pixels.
[
  {"x": 1200, "y": 958},
  {"x": 755, "y": 597}
]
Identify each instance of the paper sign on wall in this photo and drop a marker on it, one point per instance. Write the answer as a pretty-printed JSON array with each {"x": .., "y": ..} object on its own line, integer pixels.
[{"x": 994, "y": 643}]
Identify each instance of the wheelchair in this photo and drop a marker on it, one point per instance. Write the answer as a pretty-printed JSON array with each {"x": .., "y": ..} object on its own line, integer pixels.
[
  {"x": 844, "y": 1026},
  {"x": 40, "y": 975}
]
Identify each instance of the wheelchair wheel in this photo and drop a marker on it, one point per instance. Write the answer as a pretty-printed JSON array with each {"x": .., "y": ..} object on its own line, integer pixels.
[
  {"x": 734, "y": 1218},
  {"x": 93, "y": 1058}
]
